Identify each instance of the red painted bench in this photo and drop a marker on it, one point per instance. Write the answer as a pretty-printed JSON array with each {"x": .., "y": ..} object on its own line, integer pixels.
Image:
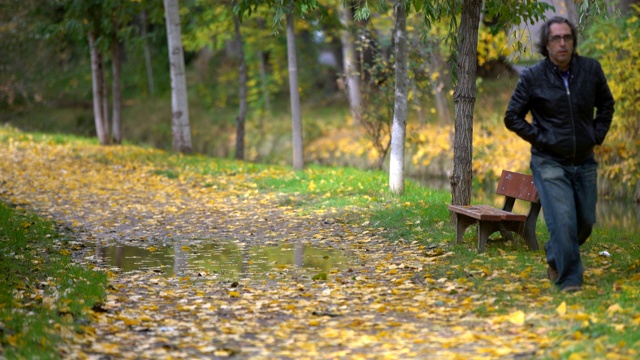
[{"x": 490, "y": 219}]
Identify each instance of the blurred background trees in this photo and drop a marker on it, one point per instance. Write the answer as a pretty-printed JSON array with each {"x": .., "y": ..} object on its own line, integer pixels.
[{"x": 46, "y": 81}]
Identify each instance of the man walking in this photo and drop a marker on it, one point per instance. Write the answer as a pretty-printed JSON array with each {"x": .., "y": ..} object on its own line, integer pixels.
[{"x": 571, "y": 108}]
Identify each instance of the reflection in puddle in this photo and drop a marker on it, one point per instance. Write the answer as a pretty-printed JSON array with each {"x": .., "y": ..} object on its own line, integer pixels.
[{"x": 228, "y": 260}]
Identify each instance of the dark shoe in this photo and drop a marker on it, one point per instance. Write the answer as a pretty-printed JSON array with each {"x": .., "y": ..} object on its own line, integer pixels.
[
  {"x": 571, "y": 288},
  {"x": 552, "y": 274}
]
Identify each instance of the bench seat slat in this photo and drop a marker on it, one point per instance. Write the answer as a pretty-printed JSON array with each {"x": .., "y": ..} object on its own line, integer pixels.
[{"x": 486, "y": 212}]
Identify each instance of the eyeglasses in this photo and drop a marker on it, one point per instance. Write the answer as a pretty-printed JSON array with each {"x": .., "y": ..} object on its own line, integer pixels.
[{"x": 556, "y": 38}]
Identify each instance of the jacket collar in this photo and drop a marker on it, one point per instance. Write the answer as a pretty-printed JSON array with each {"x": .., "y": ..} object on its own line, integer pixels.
[{"x": 572, "y": 65}]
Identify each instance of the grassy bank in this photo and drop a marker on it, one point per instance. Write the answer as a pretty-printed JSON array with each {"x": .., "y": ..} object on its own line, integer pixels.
[
  {"x": 44, "y": 297},
  {"x": 508, "y": 283}
]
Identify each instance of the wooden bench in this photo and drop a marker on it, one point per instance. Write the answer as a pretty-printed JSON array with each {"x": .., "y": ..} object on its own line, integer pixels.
[{"x": 490, "y": 219}]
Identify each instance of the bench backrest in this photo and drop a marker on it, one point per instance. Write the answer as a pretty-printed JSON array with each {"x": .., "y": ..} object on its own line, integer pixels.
[{"x": 517, "y": 185}]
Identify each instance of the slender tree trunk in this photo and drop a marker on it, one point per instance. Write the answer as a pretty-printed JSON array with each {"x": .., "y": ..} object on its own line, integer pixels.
[
  {"x": 571, "y": 11},
  {"x": 350, "y": 63},
  {"x": 105, "y": 101},
  {"x": 396, "y": 165},
  {"x": 242, "y": 78},
  {"x": 464, "y": 101},
  {"x": 420, "y": 113},
  {"x": 438, "y": 87},
  {"x": 296, "y": 116},
  {"x": 98, "y": 88},
  {"x": 147, "y": 51},
  {"x": 180, "y": 128},
  {"x": 263, "y": 75},
  {"x": 115, "y": 92},
  {"x": 263, "y": 81}
]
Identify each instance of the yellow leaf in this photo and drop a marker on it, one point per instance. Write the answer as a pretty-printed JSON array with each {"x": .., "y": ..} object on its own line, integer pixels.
[
  {"x": 517, "y": 318},
  {"x": 614, "y": 309},
  {"x": 562, "y": 309},
  {"x": 185, "y": 248}
]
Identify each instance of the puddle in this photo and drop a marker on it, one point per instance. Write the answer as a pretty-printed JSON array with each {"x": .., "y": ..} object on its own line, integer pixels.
[{"x": 225, "y": 260}]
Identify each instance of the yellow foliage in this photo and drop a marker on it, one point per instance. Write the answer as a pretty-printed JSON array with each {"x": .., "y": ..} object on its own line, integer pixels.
[
  {"x": 619, "y": 59},
  {"x": 495, "y": 148},
  {"x": 492, "y": 46}
]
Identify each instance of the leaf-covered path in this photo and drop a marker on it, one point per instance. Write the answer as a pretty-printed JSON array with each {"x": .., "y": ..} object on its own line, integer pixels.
[{"x": 384, "y": 304}]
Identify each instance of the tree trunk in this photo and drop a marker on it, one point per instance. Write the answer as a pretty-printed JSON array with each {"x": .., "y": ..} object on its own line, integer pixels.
[
  {"x": 263, "y": 75},
  {"x": 349, "y": 60},
  {"x": 296, "y": 117},
  {"x": 438, "y": 87},
  {"x": 242, "y": 78},
  {"x": 147, "y": 51},
  {"x": 115, "y": 93},
  {"x": 420, "y": 113},
  {"x": 264, "y": 83},
  {"x": 571, "y": 11},
  {"x": 464, "y": 100},
  {"x": 98, "y": 89},
  {"x": 104, "y": 101},
  {"x": 180, "y": 128},
  {"x": 396, "y": 165}
]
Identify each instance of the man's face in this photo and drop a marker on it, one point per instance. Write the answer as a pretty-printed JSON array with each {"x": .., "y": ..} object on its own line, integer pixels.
[{"x": 560, "y": 45}]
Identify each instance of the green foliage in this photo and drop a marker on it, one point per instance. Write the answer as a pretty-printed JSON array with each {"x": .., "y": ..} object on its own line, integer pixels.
[
  {"x": 43, "y": 296},
  {"x": 614, "y": 42},
  {"x": 279, "y": 7},
  {"x": 377, "y": 97},
  {"x": 501, "y": 14}
]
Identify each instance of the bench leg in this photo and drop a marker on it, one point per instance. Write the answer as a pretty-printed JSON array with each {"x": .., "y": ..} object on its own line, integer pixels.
[
  {"x": 462, "y": 223},
  {"x": 526, "y": 230},
  {"x": 530, "y": 227},
  {"x": 485, "y": 228},
  {"x": 506, "y": 234}
]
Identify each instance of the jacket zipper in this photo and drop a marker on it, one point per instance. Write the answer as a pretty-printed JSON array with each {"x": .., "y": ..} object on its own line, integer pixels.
[{"x": 573, "y": 122}]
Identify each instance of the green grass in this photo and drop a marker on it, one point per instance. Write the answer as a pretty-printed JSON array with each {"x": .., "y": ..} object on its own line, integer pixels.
[{"x": 41, "y": 291}]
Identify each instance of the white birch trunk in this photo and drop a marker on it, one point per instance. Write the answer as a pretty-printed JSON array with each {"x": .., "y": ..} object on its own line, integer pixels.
[
  {"x": 242, "y": 84},
  {"x": 116, "y": 93},
  {"x": 105, "y": 103},
  {"x": 398, "y": 129},
  {"x": 350, "y": 64},
  {"x": 180, "y": 129},
  {"x": 96, "y": 77},
  {"x": 296, "y": 117}
]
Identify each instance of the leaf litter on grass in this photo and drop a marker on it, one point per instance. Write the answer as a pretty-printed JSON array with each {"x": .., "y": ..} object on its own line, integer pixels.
[{"x": 385, "y": 303}]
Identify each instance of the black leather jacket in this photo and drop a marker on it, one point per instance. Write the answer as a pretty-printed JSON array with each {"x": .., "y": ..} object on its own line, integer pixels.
[{"x": 564, "y": 127}]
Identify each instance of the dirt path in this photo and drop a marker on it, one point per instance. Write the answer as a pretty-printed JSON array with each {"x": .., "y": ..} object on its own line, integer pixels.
[{"x": 383, "y": 304}]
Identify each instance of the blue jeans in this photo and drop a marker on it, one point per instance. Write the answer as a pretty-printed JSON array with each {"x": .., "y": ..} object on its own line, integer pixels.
[{"x": 568, "y": 194}]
